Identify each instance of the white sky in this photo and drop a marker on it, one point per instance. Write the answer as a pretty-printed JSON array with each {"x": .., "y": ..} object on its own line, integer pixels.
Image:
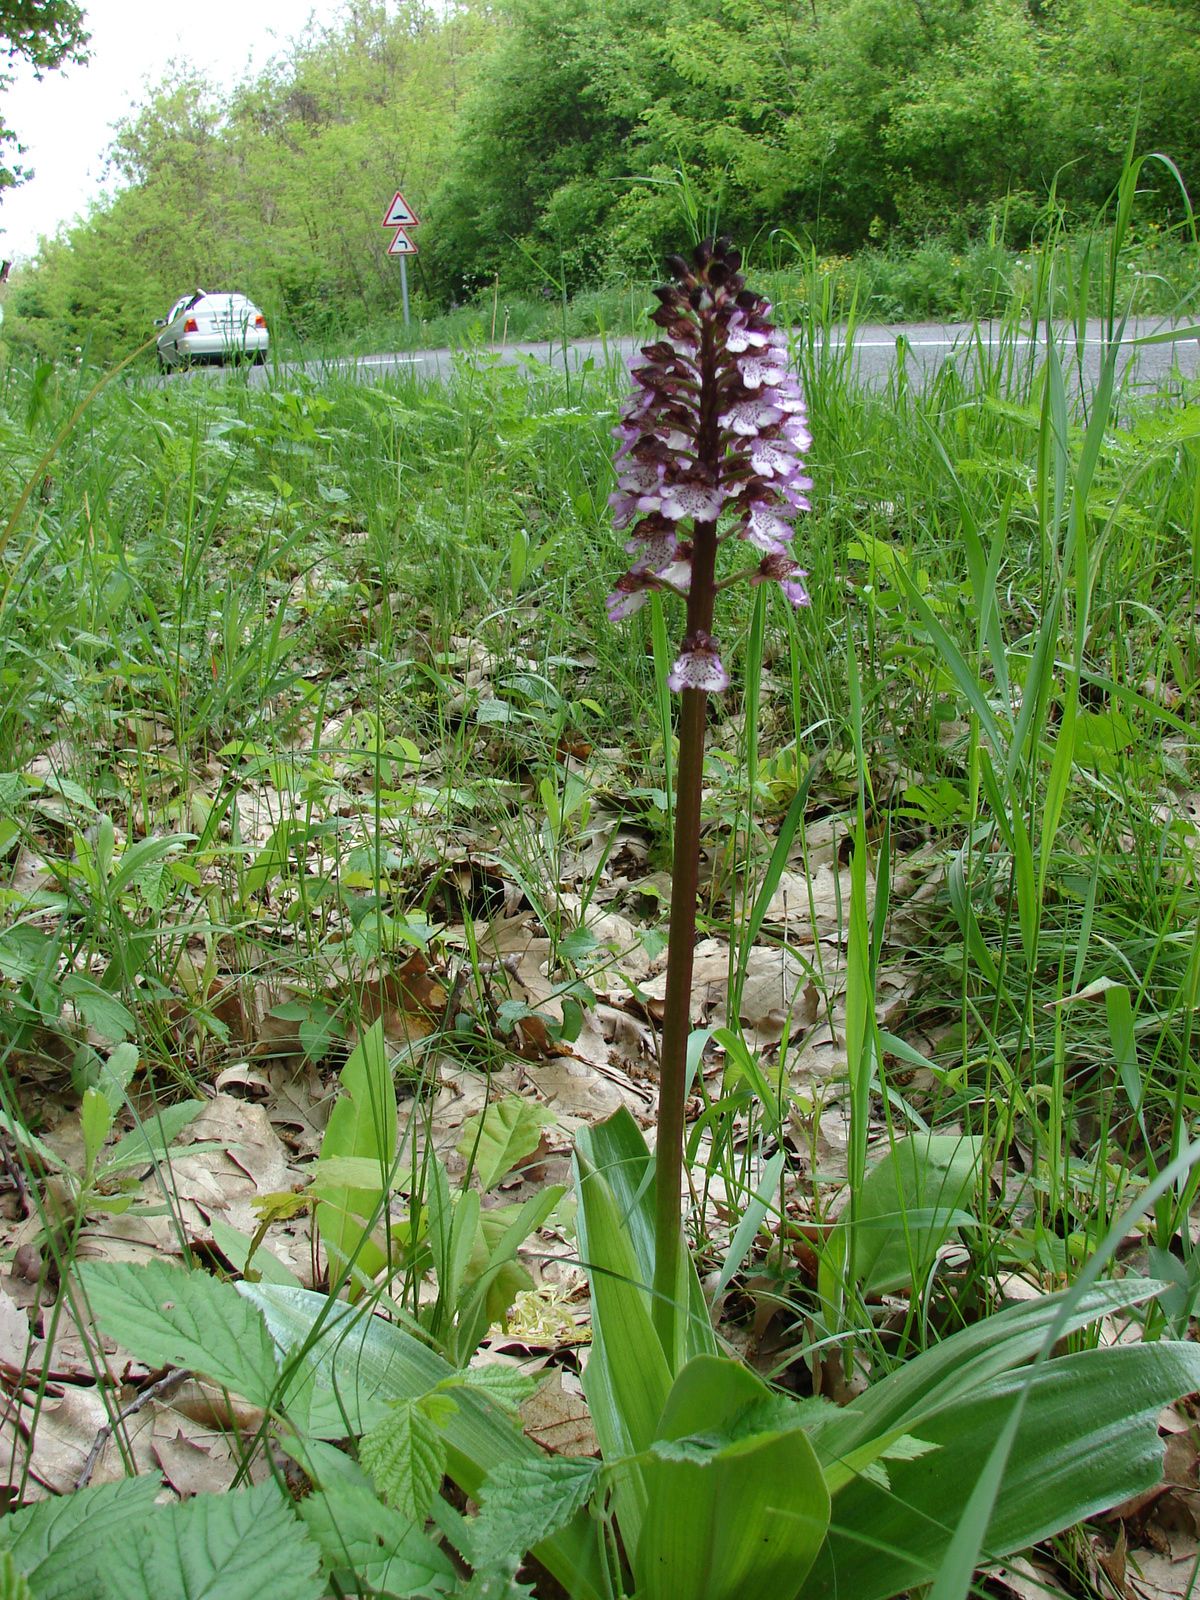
[{"x": 64, "y": 121}]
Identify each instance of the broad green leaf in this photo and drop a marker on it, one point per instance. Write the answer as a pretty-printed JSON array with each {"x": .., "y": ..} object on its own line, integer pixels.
[
  {"x": 728, "y": 1518},
  {"x": 406, "y": 1456},
  {"x": 235, "y": 1246},
  {"x": 172, "y": 1318},
  {"x": 896, "y": 1239},
  {"x": 359, "y": 1536},
  {"x": 116, "y": 1074},
  {"x": 148, "y": 1141},
  {"x": 240, "y": 1545},
  {"x": 1087, "y": 1440},
  {"x": 363, "y": 1124},
  {"x": 747, "y": 1228},
  {"x": 617, "y": 1148},
  {"x": 524, "y": 1502},
  {"x": 57, "y": 1543},
  {"x": 364, "y": 1363},
  {"x": 95, "y": 1119},
  {"x": 958, "y": 1366},
  {"x": 621, "y": 1310},
  {"x": 502, "y": 1136},
  {"x": 331, "y": 1173},
  {"x": 102, "y": 1011}
]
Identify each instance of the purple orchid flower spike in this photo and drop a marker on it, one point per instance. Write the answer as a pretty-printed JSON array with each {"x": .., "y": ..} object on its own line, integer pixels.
[{"x": 714, "y": 433}]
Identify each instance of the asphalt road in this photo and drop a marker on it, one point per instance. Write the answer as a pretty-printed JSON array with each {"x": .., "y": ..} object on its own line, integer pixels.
[{"x": 875, "y": 353}]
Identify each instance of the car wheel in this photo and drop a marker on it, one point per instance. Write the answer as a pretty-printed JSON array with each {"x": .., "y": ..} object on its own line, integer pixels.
[
  {"x": 162, "y": 362},
  {"x": 260, "y": 358}
]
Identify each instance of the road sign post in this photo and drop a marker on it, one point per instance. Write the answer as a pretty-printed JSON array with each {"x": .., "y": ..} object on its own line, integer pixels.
[{"x": 401, "y": 216}]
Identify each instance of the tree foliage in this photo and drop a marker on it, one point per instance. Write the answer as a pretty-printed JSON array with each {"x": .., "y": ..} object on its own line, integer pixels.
[
  {"x": 45, "y": 33},
  {"x": 542, "y": 139}
]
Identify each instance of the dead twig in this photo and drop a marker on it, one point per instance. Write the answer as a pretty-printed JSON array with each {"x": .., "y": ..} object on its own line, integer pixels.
[{"x": 155, "y": 1392}]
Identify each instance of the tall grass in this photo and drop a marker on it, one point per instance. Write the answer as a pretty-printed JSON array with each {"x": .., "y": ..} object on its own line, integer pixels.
[{"x": 221, "y": 594}]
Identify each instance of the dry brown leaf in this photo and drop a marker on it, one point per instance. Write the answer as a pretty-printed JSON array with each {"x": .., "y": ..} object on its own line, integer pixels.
[
  {"x": 1150, "y": 1573},
  {"x": 16, "y": 1350},
  {"x": 560, "y": 1421},
  {"x": 191, "y": 1468}
]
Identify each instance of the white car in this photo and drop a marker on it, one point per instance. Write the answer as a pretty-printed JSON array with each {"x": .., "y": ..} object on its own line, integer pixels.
[{"x": 212, "y": 327}]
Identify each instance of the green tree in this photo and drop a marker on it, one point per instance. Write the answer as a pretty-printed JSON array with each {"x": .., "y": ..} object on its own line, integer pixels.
[{"x": 45, "y": 33}]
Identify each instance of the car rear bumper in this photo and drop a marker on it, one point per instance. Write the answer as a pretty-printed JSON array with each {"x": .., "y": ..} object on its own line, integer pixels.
[{"x": 211, "y": 346}]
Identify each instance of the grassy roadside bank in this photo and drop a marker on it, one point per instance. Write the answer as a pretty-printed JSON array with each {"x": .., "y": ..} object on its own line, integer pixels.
[{"x": 333, "y": 660}]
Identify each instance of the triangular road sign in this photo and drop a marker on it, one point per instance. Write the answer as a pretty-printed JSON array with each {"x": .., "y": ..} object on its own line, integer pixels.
[
  {"x": 400, "y": 214},
  {"x": 402, "y": 245}
]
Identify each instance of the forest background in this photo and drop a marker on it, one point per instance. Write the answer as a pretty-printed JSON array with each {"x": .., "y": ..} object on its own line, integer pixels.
[{"x": 541, "y": 143}]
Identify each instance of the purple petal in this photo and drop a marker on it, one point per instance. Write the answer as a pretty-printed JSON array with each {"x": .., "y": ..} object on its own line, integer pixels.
[
  {"x": 795, "y": 591},
  {"x": 769, "y": 459},
  {"x": 699, "y": 667},
  {"x": 787, "y": 397},
  {"x": 692, "y": 500},
  {"x": 624, "y": 508},
  {"x": 749, "y": 416},
  {"x": 739, "y": 336},
  {"x": 622, "y": 605},
  {"x": 641, "y": 477},
  {"x": 757, "y": 370},
  {"x": 766, "y": 529},
  {"x": 653, "y": 554}
]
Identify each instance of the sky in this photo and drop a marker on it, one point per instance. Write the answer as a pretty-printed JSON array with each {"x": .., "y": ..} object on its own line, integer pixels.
[{"x": 65, "y": 121}]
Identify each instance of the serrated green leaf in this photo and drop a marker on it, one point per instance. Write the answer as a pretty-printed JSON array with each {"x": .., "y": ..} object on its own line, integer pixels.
[
  {"x": 355, "y": 1531},
  {"x": 406, "y": 1456},
  {"x": 57, "y": 1543},
  {"x": 503, "y": 1135},
  {"x": 509, "y": 1387},
  {"x": 370, "y": 1361},
  {"x": 524, "y": 1502},
  {"x": 906, "y": 1448},
  {"x": 169, "y": 1317},
  {"x": 241, "y": 1545}
]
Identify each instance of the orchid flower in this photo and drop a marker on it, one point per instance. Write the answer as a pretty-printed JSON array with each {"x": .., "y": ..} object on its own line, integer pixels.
[{"x": 713, "y": 434}]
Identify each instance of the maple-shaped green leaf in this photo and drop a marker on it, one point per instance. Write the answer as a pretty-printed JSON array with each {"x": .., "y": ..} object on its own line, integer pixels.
[
  {"x": 406, "y": 1456},
  {"x": 524, "y": 1502},
  {"x": 503, "y": 1135}
]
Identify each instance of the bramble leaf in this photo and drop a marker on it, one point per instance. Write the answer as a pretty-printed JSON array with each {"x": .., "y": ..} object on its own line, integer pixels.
[
  {"x": 524, "y": 1502},
  {"x": 406, "y": 1456}
]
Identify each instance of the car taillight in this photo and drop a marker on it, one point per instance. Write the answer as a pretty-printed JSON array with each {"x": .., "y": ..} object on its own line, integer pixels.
[
  {"x": 260, "y": 321},
  {"x": 191, "y": 326}
]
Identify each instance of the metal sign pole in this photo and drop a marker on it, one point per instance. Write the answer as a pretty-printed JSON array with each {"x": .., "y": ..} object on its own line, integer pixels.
[{"x": 401, "y": 216}]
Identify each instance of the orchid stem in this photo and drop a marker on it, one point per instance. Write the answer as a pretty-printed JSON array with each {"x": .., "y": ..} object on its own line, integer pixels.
[{"x": 685, "y": 878}]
